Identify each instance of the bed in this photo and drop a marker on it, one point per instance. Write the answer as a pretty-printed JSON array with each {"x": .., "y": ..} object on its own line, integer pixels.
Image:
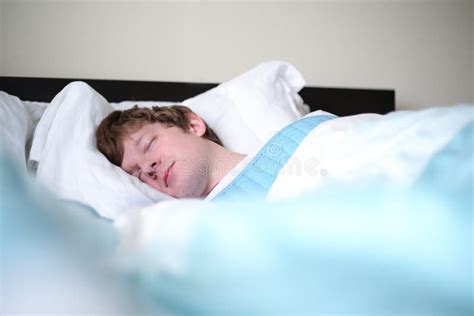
[{"x": 381, "y": 224}]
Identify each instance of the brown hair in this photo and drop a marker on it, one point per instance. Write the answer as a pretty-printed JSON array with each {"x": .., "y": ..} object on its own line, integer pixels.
[{"x": 117, "y": 125}]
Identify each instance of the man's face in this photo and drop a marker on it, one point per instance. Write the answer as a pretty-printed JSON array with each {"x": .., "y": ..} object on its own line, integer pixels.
[{"x": 168, "y": 159}]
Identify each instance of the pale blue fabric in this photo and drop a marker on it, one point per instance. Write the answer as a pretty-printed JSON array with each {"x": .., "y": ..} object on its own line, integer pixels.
[
  {"x": 54, "y": 255},
  {"x": 258, "y": 176}
]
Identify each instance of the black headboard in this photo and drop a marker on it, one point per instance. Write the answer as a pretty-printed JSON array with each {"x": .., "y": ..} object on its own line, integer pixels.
[{"x": 340, "y": 101}]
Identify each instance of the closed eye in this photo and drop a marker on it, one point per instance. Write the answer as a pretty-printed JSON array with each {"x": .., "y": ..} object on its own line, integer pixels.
[{"x": 149, "y": 144}]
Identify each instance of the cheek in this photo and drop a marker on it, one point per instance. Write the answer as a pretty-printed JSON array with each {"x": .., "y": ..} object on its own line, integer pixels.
[
  {"x": 191, "y": 166},
  {"x": 183, "y": 172},
  {"x": 172, "y": 147}
]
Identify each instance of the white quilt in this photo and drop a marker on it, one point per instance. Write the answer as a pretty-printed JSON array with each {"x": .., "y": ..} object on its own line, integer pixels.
[{"x": 391, "y": 148}]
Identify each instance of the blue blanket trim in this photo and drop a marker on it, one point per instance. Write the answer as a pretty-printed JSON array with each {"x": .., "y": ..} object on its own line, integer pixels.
[{"x": 257, "y": 178}]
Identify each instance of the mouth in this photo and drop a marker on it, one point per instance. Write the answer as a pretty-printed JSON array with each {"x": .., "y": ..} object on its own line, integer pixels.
[{"x": 167, "y": 174}]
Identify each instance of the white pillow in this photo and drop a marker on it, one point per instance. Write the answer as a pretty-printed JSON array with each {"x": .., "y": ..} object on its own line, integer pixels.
[
  {"x": 16, "y": 128},
  {"x": 247, "y": 110},
  {"x": 35, "y": 110},
  {"x": 70, "y": 164},
  {"x": 244, "y": 112}
]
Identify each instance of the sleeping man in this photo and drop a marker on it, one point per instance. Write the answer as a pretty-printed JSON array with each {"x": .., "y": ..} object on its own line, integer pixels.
[
  {"x": 170, "y": 148},
  {"x": 174, "y": 151}
]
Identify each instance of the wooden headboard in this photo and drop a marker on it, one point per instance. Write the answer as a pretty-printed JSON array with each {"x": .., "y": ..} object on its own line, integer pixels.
[{"x": 340, "y": 101}]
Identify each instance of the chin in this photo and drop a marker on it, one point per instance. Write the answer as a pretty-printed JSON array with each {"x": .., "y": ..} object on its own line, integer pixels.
[
  {"x": 195, "y": 190},
  {"x": 180, "y": 194}
]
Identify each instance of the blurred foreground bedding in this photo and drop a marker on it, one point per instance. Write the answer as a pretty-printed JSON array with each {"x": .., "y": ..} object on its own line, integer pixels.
[{"x": 365, "y": 250}]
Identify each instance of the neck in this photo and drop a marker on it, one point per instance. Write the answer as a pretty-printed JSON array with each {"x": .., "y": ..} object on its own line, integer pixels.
[{"x": 222, "y": 161}]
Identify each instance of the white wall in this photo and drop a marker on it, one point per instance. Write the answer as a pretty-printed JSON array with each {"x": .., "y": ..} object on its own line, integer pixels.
[{"x": 423, "y": 49}]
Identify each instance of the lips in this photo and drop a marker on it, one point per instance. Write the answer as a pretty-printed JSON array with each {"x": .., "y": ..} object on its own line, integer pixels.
[{"x": 167, "y": 174}]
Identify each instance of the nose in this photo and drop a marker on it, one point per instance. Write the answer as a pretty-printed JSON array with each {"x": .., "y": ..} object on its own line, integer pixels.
[{"x": 150, "y": 167}]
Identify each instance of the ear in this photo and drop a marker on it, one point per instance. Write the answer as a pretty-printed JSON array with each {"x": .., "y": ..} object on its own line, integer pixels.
[{"x": 196, "y": 124}]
